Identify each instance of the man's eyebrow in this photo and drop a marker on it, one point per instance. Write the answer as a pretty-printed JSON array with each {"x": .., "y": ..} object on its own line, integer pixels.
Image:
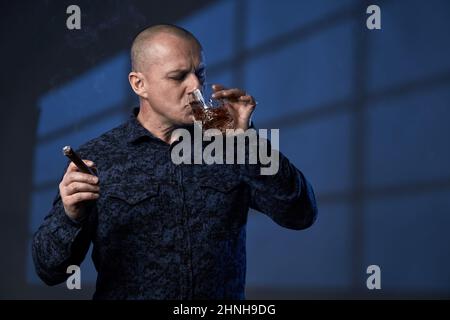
[
  {"x": 178, "y": 71},
  {"x": 181, "y": 70}
]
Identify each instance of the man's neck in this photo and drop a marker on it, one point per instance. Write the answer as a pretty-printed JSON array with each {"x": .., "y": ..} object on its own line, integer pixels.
[{"x": 153, "y": 123}]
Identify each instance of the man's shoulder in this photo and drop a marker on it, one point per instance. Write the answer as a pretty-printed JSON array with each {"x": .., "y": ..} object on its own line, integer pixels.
[{"x": 110, "y": 140}]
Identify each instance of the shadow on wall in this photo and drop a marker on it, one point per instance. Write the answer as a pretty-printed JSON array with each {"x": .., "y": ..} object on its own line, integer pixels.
[{"x": 362, "y": 113}]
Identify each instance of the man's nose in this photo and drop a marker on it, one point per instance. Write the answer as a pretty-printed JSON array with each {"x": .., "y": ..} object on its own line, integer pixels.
[{"x": 194, "y": 83}]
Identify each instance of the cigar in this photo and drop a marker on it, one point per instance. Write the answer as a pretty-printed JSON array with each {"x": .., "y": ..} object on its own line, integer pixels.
[{"x": 70, "y": 153}]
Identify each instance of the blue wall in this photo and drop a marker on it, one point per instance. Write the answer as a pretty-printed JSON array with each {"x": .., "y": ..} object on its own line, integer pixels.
[{"x": 364, "y": 114}]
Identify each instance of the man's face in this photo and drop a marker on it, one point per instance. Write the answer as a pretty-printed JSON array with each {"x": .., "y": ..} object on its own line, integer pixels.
[{"x": 175, "y": 68}]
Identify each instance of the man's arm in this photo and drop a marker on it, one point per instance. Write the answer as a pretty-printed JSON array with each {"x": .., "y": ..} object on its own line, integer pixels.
[
  {"x": 65, "y": 235},
  {"x": 60, "y": 242},
  {"x": 287, "y": 197}
]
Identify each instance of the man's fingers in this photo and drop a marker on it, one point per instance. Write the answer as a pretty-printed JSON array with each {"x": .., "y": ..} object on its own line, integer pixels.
[
  {"x": 76, "y": 187},
  {"x": 248, "y": 100},
  {"x": 76, "y": 176},
  {"x": 235, "y": 94},
  {"x": 229, "y": 94},
  {"x": 80, "y": 196},
  {"x": 218, "y": 87},
  {"x": 72, "y": 167}
]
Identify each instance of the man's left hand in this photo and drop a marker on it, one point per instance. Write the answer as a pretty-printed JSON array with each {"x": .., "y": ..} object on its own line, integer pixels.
[{"x": 240, "y": 104}]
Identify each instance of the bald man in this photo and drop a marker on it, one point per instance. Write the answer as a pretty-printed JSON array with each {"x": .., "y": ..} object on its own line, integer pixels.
[{"x": 160, "y": 230}]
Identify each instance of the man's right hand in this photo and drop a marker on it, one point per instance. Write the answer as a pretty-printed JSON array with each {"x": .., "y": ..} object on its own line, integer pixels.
[{"x": 76, "y": 189}]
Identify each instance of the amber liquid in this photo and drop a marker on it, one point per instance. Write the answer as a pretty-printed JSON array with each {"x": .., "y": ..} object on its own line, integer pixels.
[{"x": 213, "y": 118}]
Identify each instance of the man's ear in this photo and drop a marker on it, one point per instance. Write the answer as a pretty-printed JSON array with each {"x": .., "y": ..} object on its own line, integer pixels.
[{"x": 137, "y": 83}]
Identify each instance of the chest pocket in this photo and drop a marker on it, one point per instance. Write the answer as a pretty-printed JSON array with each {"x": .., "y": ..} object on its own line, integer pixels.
[
  {"x": 224, "y": 204},
  {"x": 132, "y": 208},
  {"x": 220, "y": 185}
]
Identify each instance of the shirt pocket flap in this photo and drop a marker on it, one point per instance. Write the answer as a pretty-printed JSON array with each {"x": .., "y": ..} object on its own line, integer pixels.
[{"x": 133, "y": 193}]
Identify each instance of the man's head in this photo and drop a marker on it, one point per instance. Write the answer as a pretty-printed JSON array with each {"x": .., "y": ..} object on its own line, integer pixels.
[{"x": 167, "y": 65}]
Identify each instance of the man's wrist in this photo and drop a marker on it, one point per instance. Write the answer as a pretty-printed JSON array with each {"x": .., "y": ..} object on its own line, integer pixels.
[{"x": 245, "y": 126}]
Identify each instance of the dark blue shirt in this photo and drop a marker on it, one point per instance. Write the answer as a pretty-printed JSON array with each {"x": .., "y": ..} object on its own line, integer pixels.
[{"x": 166, "y": 231}]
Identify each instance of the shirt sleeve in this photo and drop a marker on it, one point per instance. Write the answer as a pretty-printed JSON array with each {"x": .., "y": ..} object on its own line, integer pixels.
[
  {"x": 284, "y": 195},
  {"x": 60, "y": 242}
]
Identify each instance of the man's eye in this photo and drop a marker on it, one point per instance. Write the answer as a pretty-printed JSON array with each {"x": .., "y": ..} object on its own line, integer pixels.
[{"x": 179, "y": 77}]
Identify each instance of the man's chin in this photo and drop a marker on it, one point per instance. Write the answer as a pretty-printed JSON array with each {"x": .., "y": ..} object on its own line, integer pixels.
[{"x": 189, "y": 120}]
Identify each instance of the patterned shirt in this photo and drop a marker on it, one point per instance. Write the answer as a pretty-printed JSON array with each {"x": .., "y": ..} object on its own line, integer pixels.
[{"x": 166, "y": 231}]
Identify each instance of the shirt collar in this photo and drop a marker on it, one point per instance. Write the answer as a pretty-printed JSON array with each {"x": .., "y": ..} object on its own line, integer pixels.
[{"x": 135, "y": 131}]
